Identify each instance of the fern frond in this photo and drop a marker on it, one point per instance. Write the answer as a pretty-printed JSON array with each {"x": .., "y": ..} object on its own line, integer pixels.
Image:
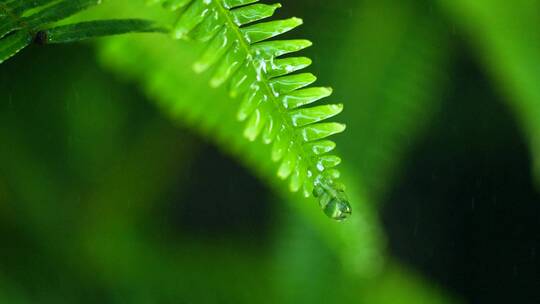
[
  {"x": 24, "y": 21},
  {"x": 274, "y": 100}
]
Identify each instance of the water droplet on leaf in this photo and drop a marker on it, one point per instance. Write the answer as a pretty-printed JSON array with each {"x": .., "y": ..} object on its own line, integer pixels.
[{"x": 334, "y": 202}]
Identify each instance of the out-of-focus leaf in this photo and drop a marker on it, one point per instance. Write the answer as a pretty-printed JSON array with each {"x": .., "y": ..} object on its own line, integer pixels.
[
  {"x": 399, "y": 72},
  {"x": 507, "y": 36},
  {"x": 9, "y": 293},
  {"x": 174, "y": 85},
  {"x": 55, "y": 177}
]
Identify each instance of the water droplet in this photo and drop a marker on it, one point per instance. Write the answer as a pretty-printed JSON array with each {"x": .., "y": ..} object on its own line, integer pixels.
[
  {"x": 334, "y": 202},
  {"x": 337, "y": 209}
]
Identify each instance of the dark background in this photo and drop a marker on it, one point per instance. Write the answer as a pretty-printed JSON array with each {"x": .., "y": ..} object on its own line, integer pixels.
[{"x": 105, "y": 199}]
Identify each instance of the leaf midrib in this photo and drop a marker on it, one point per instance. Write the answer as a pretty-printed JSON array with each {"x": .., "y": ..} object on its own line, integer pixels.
[{"x": 265, "y": 82}]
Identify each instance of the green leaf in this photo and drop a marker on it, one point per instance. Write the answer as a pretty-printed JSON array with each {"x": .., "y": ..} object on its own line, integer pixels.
[
  {"x": 291, "y": 83},
  {"x": 12, "y": 44},
  {"x": 507, "y": 37},
  {"x": 321, "y": 131},
  {"x": 8, "y": 26},
  {"x": 27, "y": 20},
  {"x": 20, "y": 7},
  {"x": 93, "y": 29},
  {"x": 272, "y": 100},
  {"x": 399, "y": 76},
  {"x": 175, "y": 4},
  {"x": 57, "y": 12},
  {"x": 307, "y": 116},
  {"x": 263, "y": 31},
  {"x": 253, "y": 13}
]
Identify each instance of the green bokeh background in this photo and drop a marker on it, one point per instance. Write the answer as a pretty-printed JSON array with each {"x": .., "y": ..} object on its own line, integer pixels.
[{"x": 124, "y": 177}]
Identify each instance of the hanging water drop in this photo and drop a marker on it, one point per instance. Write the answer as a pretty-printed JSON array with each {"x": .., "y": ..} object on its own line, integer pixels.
[{"x": 334, "y": 202}]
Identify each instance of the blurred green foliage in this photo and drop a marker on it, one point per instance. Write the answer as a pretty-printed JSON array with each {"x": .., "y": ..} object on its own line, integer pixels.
[{"x": 89, "y": 167}]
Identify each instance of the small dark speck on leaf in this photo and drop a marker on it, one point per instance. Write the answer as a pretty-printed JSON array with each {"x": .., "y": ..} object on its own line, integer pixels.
[{"x": 40, "y": 38}]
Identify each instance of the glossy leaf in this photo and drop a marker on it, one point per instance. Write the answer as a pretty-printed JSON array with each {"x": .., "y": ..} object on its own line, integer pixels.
[
  {"x": 291, "y": 83},
  {"x": 235, "y": 3},
  {"x": 272, "y": 99},
  {"x": 12, "y": 44},
  {"x": 321, "y": 147},
  {"x": 92, "y": 29},
  {"x": 280, "y": 67},
  {"x": 8, "y": 26},
  {"x": 321, "y": 130},
  {"x": 19, "y": 7},
  {"x": 270, "y": 50},
  {"x": 253, "y": 13},
  {"x": 304, "y": 97},
  {"x": 58, "y": 11},
  {"x": 262, "y": 31},
  {"x": 309, "y": 116},
  {"x": 22, "y": 22}
]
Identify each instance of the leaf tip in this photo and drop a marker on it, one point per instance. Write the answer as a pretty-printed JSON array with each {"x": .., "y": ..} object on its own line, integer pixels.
[{"x": 297, "y": 21}]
